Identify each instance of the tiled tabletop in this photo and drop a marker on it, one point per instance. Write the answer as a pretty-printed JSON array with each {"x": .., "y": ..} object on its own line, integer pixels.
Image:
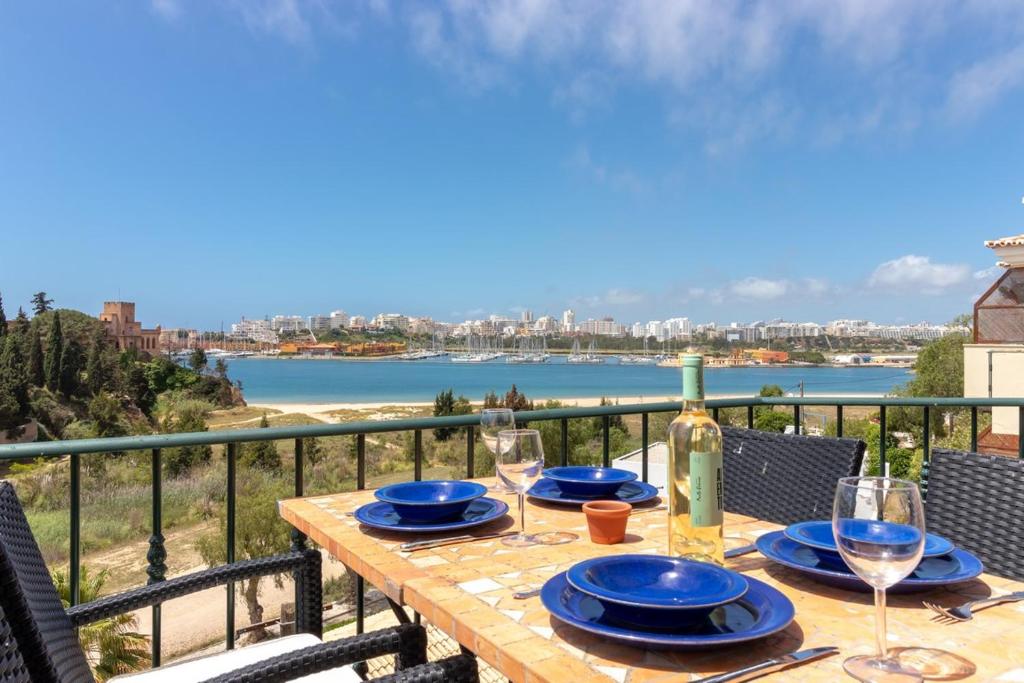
[{"x": 466, "y": 591}]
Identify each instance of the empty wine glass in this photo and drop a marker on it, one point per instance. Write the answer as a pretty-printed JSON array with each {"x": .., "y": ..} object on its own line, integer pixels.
[
  {"x": 878, "y": 524},
  {"x": 492, "y": 421},
  {"x": 520, "y": 461}
]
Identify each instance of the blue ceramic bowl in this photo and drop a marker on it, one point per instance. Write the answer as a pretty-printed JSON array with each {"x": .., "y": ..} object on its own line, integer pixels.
[
  {"x": 818, "y": 536},
  {"x": 589, "y": 482},
  {"x": 429, "y": 502},
  {"x": 656, "y": 592}
]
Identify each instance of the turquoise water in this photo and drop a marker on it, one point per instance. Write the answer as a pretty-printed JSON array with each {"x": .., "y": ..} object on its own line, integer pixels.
[{"x": 334, "y": 381}]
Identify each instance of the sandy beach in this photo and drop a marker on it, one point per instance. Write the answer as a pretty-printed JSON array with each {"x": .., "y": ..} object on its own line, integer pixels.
[{"x": 323, "y": 411}]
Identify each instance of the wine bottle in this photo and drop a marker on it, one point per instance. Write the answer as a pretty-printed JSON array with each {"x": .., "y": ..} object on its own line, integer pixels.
[{"x": 696, "y": 485}]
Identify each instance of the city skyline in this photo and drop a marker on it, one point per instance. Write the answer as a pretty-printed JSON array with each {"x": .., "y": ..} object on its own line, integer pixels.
[{"x": 738, "y": 161}]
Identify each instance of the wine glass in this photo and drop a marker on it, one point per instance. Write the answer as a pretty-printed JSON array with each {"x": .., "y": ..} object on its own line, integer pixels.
[
  {"x": 492, "y": 421},
  {"x": 520, "y": 462},
  {"x": 878, "y": 523}
]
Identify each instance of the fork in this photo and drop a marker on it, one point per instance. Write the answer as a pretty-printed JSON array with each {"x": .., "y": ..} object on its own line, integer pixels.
[{"x": 963, "y": 612}]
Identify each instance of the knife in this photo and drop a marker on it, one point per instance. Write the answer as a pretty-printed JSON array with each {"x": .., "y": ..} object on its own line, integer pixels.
[
  {"x": 450, "y": 540},
  {"x": 771, "y": 666},
  {"x": 742, "y": 550}
]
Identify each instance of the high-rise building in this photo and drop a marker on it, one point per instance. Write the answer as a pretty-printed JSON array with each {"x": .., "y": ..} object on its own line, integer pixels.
[
  {"x": 339, "y": 319},
  {"x": 319, "y": 323},
  {"x": 568, "y": 321},
  {"x": 526, "y": 316},
  {"x": 288, "y": 323}
]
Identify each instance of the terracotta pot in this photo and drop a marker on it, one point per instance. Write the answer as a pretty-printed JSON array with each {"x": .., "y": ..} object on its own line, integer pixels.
[{"x": 607, "y": 520}]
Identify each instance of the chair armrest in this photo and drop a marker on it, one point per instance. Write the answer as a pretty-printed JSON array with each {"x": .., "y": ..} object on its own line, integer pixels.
[
  {"x": 407, "y": 641},
  {"x": 302, "y": 562},
  {"x": 457, "y": 669}
]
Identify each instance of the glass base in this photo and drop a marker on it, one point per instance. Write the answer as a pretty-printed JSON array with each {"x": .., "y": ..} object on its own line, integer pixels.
[
  {"x": 932, "y": 664},
  {"x": 555, "y": 537},
  {"x": 872, "y": 669},
  {"x": 519, "y": 540}
]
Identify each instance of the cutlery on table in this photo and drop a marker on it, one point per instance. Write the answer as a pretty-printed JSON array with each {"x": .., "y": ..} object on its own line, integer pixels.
[
  {"x": 771, "y": 665},
  {"x": 963, "y": 612},
  {"x": 450, "y": 540},
  {"x": 523, "y": 595},
  {"x": 742, "y": 550}
]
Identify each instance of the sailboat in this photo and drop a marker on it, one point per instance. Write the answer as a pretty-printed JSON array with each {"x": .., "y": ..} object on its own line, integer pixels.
[{"x": 589, "y": 357}]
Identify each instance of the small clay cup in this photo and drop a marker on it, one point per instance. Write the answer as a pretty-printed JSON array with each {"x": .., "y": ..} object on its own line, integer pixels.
[{"x": 607, "y": 520}]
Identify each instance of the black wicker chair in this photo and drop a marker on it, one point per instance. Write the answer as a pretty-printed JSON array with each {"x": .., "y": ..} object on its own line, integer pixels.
[
  {"x": 977, "y": 501},
  {"x": 38, "y": 643},
  {"x": 785, "y": 478}
]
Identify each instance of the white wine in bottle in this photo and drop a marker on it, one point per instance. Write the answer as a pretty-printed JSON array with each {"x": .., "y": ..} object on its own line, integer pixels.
[{"x": 696, "y": 487}]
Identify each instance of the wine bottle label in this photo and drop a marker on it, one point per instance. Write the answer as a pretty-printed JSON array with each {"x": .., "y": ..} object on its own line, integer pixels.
[{"x": 706, "y": 489}]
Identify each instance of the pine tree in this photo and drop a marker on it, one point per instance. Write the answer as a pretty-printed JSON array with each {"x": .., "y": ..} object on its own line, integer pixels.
[
  {"x": 54, "y": 351},
  {"x": 36, "y": 372},
  {"x": 444, "y": 404},
  {"x": 261, "y": 454},
  {"x": 14, "y": 406},
  {"x": 40, "y": 304},
  {"x": 3, "y": 318},
  {"x": 98, "y": 373},
  {"x": 72, "y": 361}
]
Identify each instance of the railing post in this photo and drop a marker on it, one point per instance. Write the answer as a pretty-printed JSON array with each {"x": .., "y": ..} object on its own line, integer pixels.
[
  {"x": 974, "y": 429},
  {"x": 360, "y": 596},
  {"x": 157, "y": 555},
  {"x": 1020, "y": 432},
  {"x": 470, "y": 448},
  {"x": 299, "y": 538},
  {"x": 230, "y": 550},
  {"x": 76, "y": 527},
  {"x": 750, "y": 416},
  {"x": 796, "y": 419},
  {"x": 882, "y": 429},
  {"x": 564, "y": 452},
  {"x": 606, "y": 428},
  {"x": 839, "y": 421},
  {"x": 417, "y": 450},
  {"x": 643, "y": 444},
  {"x": 714, "y": 414},
  {"x": 360, "y": 461},
  {"x": 926, "y": 436}
]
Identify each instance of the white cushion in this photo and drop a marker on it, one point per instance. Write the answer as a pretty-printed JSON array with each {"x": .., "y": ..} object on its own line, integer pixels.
[{"x": 225, "y": 662}]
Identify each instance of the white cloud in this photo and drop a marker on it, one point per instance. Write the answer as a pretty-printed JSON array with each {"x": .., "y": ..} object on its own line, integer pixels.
[
  {"x": 166, "y": 9},
  {"x": 989, "y": 273},
  {"x": 759, "y": 289},
  {"x": 621, "y": 179},
  {"x": 613, "y": 297},
  {"x": 978, "y": 87},
  {"x": 913, "y": 272}
]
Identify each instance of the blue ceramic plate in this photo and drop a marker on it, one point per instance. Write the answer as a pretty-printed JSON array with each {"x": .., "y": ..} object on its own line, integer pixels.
[
  {"x": 761, "y": 612},
  {"x": 381, "y": 515},
  {"x": 654, "y": 591},
  {"x": 632, "y": 492},
  {"x": 430, "y": 502},
  {"x": 589, "y": 482},
  {"x": 818, "y": 535},
  {"x": 956, "y": 567}
]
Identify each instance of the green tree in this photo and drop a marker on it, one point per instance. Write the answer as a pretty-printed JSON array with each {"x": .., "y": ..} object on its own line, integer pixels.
[
  {"x": 14, "y": 403},
  {"x": 72, "y": 362},
  {"x": 40, "y": 304},
  {"x": 939, "y": 370},
  {"x": 99, "y": 370},
  {"x": 444, "y": 404},
  {"x": 261, "y": 455},
  {"x": 491, "y": 400},
  {"x": 516, "y": 400},
  {"x": 313, "y": 452},
  {"x": 615, "y": 421},
  {"x": 770, "y": 420},
  {"x": 198, "y": 361},
  {"x": 181, "y": 417},
  {"x": 771, "y": 390},
  {"x": 54, "y": 351},
  {"x": 259, "y": 532},
  {"x": 3, "y": 318},
  {"x": 221, "y": 368},
  {"x": 139, "y": 389},
  {"x": 113, "y": 646},
  {"x": 36, "y": 366},
  {"x": 105, "y": 412}
]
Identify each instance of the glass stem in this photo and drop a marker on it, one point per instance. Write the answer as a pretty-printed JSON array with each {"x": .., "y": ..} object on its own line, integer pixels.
[
  {"x": 522, "y": 515},
  {"x": 880, "y": 631}
]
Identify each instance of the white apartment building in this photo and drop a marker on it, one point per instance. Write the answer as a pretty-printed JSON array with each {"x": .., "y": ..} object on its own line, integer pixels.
[
  {"x": 780, "y": 329},
  {"x": 526, "y": 316},
  {"x": 678, "y": 328},
  {"x": 357, "y": 322},
  {"x": 391, "y": 321},
  {"x": 638, "y": 329},
  {"x": 339, "y": 320},
  {"x": 605, "y": 327},
  {"x": 288, "y": 323},
  {"x": 568, "y": 321},
  {"x": 319, "y": 323},
  {"x": 256, "y": 330},
  {"x": 545, "y": 325}
]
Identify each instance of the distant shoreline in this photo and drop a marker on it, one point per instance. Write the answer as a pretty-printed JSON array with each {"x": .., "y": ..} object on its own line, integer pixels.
[{"x": 314, "y": 409}]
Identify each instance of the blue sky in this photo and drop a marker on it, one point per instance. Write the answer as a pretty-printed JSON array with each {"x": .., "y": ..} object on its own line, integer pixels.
[{"x": 725, "y": 161}]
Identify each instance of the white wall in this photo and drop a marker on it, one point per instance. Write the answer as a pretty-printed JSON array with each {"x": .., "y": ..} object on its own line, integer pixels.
[{"x": 1007, "y": 379}]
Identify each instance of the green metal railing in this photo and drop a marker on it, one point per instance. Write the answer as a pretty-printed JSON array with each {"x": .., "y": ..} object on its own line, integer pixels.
[{"x": 157, "y": 555}]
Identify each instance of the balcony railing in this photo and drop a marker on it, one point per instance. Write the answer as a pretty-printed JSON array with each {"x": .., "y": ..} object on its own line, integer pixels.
[{"x": 74, "y": 450}]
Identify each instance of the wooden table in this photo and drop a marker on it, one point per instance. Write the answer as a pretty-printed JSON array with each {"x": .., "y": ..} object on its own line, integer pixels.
[{"x": 466, "y": 591}]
